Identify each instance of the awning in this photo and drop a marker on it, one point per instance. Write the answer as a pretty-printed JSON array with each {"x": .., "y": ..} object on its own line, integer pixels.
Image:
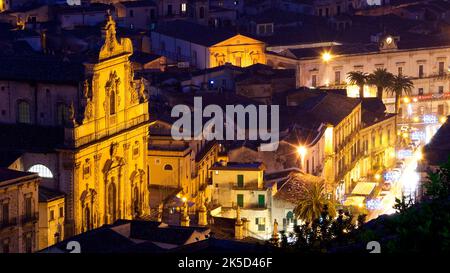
[
  {"x": 364, "y": 188},
  {"x": 357, "y": 201}
]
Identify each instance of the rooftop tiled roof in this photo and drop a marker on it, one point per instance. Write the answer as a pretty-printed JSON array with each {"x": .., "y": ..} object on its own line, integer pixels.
[
  {"x": 238, "y": 166},
  {"x": 30, "y": 138},
  {"x": 8, "y": 174},
  {"x": 47, "y": 195},
  {"x": 194, "y": 33},
  {"x": 139, "y": 3},
  {"x": 41, "y": 69}
]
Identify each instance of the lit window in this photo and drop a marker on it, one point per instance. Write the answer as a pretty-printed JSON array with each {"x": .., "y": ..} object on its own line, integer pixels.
[
  {"x": 42, "y": 170},
  {"x": 183, "y": 7},
  {"x": 24, "y": 115}
]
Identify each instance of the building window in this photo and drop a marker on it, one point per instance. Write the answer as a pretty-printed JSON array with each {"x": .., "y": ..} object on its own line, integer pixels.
[
  {"x": 420, "y": 91},
  {"x": 28, "y": 243},
  {"x": 337, "y": 77},
  {"x": 440, "y": 89},
  {"x": 5, "y": 246},
  {"x": 202, "y": 13},
  {"x": 61, "y": 212},
  {"x": 238, "y": 61},
  {"x": 440, "y": 109},
  {"x": 5, "y": 214},
  {"x": 168, "y": 167},
  {"x": 421, "y": 74},
  {"x": 24, "y": 114},
  {"x": 152, "y": 14},
  {"x": 400, "y": 70},
  {"x": 183, "y": 8},
  {"x": 240, "y": 200},
  {"x": 194, "y": 58},
  {"x": 441, "y": 68},
  {"x": 169, "y": 10},
  {"x": 261, "y": 223},
  {"x": 240, "y": 180},
  {"x": 131, "y": 13},
  {"x": 112, "y": 202},
  {"x": 62, "y": 112},
  {"x": 86, "y": 169},
  {"x": 136, "y": 148},
  {"x": 52, "y": 215},
  {"x": 42, "y": 170},
  {"x": 261, "y": 200},
  {"x": 314, "y": 80},
  {"x": 28, "y": 208},
  {"x": 112, "y": 103}
]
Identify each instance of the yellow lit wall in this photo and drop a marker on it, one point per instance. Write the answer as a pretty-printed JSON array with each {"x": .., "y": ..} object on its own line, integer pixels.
[
  {"x": 239, "y": 51},
  {"x": 49, "y": 227}
]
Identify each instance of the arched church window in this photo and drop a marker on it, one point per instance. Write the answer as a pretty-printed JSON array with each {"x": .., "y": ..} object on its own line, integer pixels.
[
  {"x": 112, "y": 103},
  {"x": 62, "y": 112},
  {"x": 42, "y": 170},
  {"x": 24, "y": 114},
  {"x": 168, "y": 167},
  {"x": 136, "y": 201},
  {"x": 87, "y": 216},
  {"x": 112, "y": 207}
]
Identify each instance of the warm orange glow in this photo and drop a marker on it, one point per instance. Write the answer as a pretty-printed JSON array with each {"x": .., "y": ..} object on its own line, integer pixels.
[
  {"x": 443, "y": 119},
  {"x": 326, "y": 56},
  {"x": 406, "y": 100},
  {"x": 301, "y": 150},
  {"x": 416, "y": 119},
  {"x": 377, "y": 176}
]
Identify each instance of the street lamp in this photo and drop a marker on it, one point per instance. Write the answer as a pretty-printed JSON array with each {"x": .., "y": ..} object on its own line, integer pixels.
[
  {"x": 406, "y": 100},
  {"x": 301, "y": 150},
  {"x": 326, "y": 56}
]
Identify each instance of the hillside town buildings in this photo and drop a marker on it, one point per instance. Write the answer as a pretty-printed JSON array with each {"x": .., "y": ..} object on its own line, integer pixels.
[{"x": 86, "y": 97}]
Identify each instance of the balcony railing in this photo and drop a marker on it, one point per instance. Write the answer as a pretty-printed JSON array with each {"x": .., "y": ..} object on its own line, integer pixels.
[
  {"x": 9, "y": 223},
  {"x": 73, "y": 141},
  {"x": 30, "y": 218}
]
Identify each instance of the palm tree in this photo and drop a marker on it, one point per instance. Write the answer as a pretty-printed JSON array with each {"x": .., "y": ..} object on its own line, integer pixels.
[
  {"x": 312, "y": 201},
  {"x": 358, "y": 78},
  {"x": 400, "y": 86},
  {"x": 382, "y": 79}
]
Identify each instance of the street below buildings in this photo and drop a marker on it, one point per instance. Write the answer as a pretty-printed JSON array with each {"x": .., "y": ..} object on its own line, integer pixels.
[{"x": 408, "y": 182}]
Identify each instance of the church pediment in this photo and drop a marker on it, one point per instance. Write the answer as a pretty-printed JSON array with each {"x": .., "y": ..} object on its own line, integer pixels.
[
  {"x": 112, "y": 47},
  {"x": 237, "y": 40}
]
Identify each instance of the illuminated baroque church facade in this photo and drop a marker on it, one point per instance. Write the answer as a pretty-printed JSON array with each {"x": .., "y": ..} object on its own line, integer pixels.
[
  {"x": 101, "y": 119},
  {"x": 108, "y": 179}
]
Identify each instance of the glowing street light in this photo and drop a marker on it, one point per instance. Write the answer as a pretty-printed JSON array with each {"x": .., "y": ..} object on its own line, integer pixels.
[
  {"x": 406, "y": 100},
  {"x": 442, "y": 120},
  {"x": 301, "y": 150},
  {"x": 377, "y": 176},
  {"x": 326, "y": 56}
]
